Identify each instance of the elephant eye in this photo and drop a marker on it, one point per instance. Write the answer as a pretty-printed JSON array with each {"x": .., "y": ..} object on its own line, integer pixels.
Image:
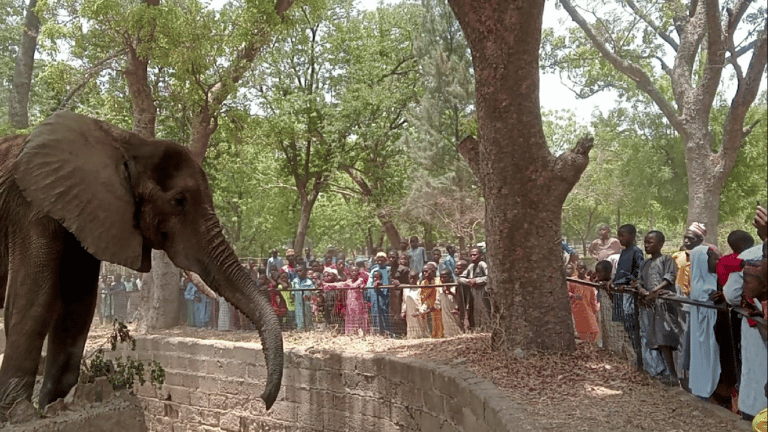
[{"x": 180, "y": 201}]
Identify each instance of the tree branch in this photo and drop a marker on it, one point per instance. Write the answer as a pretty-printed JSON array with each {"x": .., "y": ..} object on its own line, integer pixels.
[
  {"x": 746, "y": 92},
  {"x": 630, "y": 70},
  {"x": 92, "y": 72},
  {"x": 652, "y": 24},
  {"x": 716, "y": 49}
]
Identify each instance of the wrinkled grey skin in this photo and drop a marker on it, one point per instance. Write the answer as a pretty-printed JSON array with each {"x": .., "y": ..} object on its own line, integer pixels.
[{"x": 75, "y": 192}]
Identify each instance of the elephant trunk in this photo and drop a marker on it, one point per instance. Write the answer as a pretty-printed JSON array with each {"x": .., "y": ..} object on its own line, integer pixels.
[{"x": 222, "y": 271}]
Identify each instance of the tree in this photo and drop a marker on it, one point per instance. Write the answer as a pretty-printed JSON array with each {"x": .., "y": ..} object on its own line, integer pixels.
[
  {"x": 703, "y": 43},
  {"x": 18, "y": 106},
  {"x": 333, "y": 96},
  {"x": 523, "y": 183},
  {"x": 165, "y": 48},
  {"x": 444, "y": 190}
]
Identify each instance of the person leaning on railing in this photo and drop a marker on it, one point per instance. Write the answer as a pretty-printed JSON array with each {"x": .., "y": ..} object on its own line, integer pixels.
[{"x": 754, "y": 355}]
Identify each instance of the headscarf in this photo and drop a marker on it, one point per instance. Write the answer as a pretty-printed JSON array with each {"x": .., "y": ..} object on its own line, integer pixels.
[
  {"x": 331, "y": 270},
  {"x": 698, "y": 229},
  {"x": 290, "y": 252},
  {"x": 703, "y": 282}
]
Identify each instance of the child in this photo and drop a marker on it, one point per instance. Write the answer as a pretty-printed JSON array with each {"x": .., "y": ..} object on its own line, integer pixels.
[
  {"x": 416, "y": 323},
  {"x": 583, "y": 306},
  {"x": 430, "y": 306},
  {"x": 624, "y": 304},
  {"x": 658, "y": 321},
  {"x": 739, "y": 241},
  {"x": 356, "y": 311},
  {"x": 289, "y": 320},
  {"x": 450, "y": 304},
  {"x": 301, "y": 286},
  {"x": 603, "y": 270},
  {"x": 379, "y": 296}
]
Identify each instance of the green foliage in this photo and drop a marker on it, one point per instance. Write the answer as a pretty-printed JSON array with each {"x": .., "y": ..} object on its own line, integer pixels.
[
  {"x": 122, "y": 374},
  {"x": 444, "y": 192},
  {"x": 637, "y": 173}
]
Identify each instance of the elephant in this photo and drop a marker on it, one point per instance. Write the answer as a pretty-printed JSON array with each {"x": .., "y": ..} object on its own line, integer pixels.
[{"x": 77, "y": 191}]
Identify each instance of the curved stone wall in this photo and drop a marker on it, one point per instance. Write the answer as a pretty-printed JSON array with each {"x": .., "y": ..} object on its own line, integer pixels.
[{"x": 214, "y": 386}]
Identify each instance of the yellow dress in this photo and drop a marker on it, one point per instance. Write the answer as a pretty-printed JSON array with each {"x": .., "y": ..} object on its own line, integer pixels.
[{"x": 429, "y": 302}]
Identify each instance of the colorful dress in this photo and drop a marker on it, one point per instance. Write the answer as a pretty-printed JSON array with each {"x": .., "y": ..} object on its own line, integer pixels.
[
  {"x": 584, "y": 310},
  {"x": 356, "y": 316},
  {"x": 429, "y": 302},
  {"x": 417, "y": 325},
  {"x": 379, "y": 300}
]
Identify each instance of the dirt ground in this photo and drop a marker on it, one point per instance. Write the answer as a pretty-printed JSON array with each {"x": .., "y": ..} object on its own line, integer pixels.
[{"x": 587, "y": 390}]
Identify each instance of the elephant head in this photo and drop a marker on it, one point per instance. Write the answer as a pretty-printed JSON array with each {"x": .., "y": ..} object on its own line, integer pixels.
[{"x": 122, "y": 196}]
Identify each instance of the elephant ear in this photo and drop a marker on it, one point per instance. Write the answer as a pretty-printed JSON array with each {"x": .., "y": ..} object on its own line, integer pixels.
[{"x": 74, "y": 169}]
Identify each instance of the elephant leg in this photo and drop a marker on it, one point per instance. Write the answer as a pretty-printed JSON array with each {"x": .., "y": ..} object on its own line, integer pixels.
[
  {"x": 31, "y": 300},
  {"x": 78, "y": 280}
]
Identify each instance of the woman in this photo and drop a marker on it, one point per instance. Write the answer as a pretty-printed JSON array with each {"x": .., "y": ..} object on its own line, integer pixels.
[{"x": 356, "y": 311}]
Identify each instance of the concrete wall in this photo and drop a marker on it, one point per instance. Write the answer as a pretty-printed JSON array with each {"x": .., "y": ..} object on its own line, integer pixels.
[{"x": 214, "y": 386}]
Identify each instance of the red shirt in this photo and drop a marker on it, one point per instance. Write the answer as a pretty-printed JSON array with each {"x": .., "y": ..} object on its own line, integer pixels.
[{"x": 727, "y": 265}]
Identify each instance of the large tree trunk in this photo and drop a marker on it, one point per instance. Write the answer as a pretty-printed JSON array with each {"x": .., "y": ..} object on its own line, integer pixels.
[
  {"x": 161, "y": 300},
  {"x": 18, "y": 105},
  {"x": 307, "y": 203},
  {"x": 706, "y": 179},
  {"x": 393, "y": 235},
  {"x": 524, "y": 185}
]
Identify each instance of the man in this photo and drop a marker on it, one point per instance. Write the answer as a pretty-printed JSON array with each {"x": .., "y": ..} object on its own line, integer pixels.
[
  {"x": 476, "y": 276},
  {"x": 398, "y": 275},
  {"x": 605, "y": 246},
  {"x": 274, "y": 263},
  {"x": 465, "y": 292},
  {"x": 379, "y": 297},
  {"x": 693, "y": 237}
]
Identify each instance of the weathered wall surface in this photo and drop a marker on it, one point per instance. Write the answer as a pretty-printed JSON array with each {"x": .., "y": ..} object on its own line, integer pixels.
[{"x": 214, "y": 386}]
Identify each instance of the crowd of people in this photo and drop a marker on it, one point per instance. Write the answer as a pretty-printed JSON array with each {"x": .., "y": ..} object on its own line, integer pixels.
[
  {"x": 118, "y": 297},
  {"x": 404, "y": 293},
  {"x": 695, "y": 318}
]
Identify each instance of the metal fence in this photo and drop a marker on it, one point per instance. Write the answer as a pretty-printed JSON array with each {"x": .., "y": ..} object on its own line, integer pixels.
[{"x": 353, "y": 311}]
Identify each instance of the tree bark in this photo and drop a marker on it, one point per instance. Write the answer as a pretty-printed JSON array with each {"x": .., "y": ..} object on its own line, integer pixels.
[
  {"x": 524, "y": 185},
  {"x": 391, "y": 231},
  {"x": 393, "y": 235},
  {"x": 18, "y": 105},
  {"x": 161, "y": 300},
  {"x": 205, "y": 121},
  {"x": 307, "y": 203}
]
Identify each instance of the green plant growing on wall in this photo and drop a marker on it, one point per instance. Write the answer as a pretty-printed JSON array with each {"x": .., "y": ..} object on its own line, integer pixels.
[{"x": 122, "y": 374}]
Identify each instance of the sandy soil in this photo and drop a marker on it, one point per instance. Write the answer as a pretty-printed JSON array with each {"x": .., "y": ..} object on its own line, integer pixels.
[{"x": 587, "y": 390}]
